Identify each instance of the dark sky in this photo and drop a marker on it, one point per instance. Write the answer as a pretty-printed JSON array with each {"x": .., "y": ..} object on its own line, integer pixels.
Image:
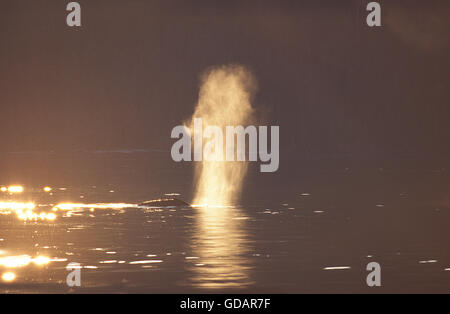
[{"x": 131, "y": 72}]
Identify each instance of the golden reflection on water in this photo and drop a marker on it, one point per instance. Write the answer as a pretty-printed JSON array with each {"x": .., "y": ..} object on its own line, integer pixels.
[
  {"x": 16, "y": 206},
  {"x": 72, "y": 206},
  {"x": 20, "y": 261},
  {"x": 15, "y": 189},
  {"x": 17, "y": 267},
  {"x": 30, "y": 215},
  {"x": 8, "y": 277},
  {"x": 47, "y": 189},
  {"x": 221, "y": 248},
  {"x": 25, "y": 211}
]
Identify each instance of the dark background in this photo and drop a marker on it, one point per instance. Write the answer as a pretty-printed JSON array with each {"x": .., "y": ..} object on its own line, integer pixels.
[{"x": 364, "y": 129}]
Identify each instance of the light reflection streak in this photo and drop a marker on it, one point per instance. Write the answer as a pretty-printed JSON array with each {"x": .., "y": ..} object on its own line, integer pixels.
[
  {"x": 145, "y": 262},
  {"x": 221, "y": 247},
  {"x": 72, "y": 206}
]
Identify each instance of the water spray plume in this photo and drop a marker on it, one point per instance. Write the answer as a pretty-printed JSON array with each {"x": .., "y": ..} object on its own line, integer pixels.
[{"x": 224, "y": 100}]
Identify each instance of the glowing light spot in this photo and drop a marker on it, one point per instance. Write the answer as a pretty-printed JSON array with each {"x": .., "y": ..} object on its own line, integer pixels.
[
  {"x": 47, "y": 189},
  {"x": 15, "y": 261},
  {"x": 15, "y": 189},
  {"x": 41, "y": 260},
  {"x": 51, "y": 216},
  {"x": 8, "y": 277},
  {"x": 4, "y": 189}
]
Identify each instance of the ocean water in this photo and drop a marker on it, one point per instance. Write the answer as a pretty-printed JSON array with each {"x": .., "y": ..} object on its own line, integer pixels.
[{"x": 315, "y": 233}]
